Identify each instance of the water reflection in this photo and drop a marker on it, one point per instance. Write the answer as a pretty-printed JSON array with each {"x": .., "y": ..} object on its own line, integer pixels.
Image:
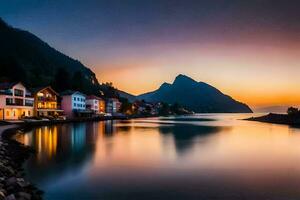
[
  {"x": 190, "y": 158},
  {"x": 59, "y": 149},
  {"x": 184, "y": 135}
]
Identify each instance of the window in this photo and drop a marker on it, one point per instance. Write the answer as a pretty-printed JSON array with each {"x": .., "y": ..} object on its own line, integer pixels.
[
  {"x": 74, "y": 104},
  {"x": 9, "y": 101},
  {"x": 19, "y": 102},
  {"x": 78, "y": 99},
  {"x": 29, "y": 102},
  {"x": 74, "y": 98},
  {"x": 19, "y": 92}
]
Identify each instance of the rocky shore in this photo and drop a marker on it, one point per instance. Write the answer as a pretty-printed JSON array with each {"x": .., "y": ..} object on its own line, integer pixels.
[
  {"x": 13, "y": 154},
  {"x": 278, "y": 119}
]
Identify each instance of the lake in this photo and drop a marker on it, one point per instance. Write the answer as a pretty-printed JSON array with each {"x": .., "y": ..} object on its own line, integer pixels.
[{"x": 205, "y": 156}]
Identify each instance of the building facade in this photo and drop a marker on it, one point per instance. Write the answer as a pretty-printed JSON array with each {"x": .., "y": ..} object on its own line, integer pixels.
[
  {"x": 73, "y": 103},
  {"x": 102, "y": 106},
  {"x": 16, "y": 101},
  {"x": 113, "y": 105},
  {"x": 46, "y": 102},
  {"x": 92, "y": 103}
]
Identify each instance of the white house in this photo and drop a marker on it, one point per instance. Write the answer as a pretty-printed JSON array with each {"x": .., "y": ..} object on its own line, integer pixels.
[
  {"x": 93, "y": 103},
  {"x": 73, "y": 103},
  {"x": 15, "y": 101}
]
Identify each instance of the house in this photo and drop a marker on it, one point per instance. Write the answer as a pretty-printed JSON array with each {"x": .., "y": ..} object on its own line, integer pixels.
[
  {"x": 73, "y": 103},
  {"x": 46, "y": 102},
  {"x": 101, "y": 106},
  {"x": 113, "y": 105},
  {"x": 93, "y": 103},
  {"x": 16, "y": 101}
]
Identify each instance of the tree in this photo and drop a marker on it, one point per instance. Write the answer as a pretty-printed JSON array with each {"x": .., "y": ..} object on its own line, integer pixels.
[
  {"x": 164, "y": 109},
  {"x": 293, "y": 111},
  {"x": 61, "y": 80},
  {"x": 108, "y": 90},
  {"x": 126, "y": 106},
  {"x": 78, "y": 81}
]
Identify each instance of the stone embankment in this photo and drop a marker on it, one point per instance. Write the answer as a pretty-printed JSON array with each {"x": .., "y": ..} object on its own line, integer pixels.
[{"x": 13, "y": 154}]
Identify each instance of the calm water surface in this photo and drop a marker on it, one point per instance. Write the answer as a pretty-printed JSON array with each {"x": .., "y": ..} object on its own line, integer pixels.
[{"x": 198, "y": 157}]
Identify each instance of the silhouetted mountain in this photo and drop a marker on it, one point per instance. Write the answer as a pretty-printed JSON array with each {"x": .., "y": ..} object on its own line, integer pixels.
[
  {"x": 196, "y": 96},
  {"x": 131, "y": 98},
  {"x": 24, "y": 57}
]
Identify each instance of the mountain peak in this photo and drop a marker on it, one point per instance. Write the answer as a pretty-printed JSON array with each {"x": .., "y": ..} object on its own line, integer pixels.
[
  {"x": 164, "y": 85},
  {"x": 183, "y": 79},
  {"x": 197, "y": 96}
]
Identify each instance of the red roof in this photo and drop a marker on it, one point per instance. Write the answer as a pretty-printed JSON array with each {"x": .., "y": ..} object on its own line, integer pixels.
[{"x": 93, "y": 97}]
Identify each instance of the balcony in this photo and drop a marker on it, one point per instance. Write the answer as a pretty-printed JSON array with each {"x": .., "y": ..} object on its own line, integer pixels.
[
  {"x": 45, "y": 99},
  {"x": 47, "y": 105},
  {"x": 29, "y": 104},
  {"x": 14, "y": 102}
]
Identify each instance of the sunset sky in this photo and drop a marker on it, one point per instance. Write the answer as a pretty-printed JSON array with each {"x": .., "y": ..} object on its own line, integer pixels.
[{"x": 249, "y": 50}]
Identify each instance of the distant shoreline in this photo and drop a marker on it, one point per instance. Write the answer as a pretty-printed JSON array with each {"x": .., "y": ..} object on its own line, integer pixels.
[{"x": 277, "y": 119}]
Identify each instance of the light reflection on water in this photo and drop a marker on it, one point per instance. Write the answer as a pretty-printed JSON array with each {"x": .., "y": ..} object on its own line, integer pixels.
[{"x": 211, "y": 156}]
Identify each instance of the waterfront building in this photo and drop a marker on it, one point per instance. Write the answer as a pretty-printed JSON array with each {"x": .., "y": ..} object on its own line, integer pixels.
[
  {"x": 102, "y": 106},
  {"x": 46, "y": 102},
  {"x": 93, "y": 103},
  {"x": 16, "y": 101},
  {"x": 113, "y": 105},
  {"x": 73, "y": 103}
]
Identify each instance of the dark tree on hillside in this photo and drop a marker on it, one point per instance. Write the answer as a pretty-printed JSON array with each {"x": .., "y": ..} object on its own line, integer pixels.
[
  {"x": 108, "y": 90},
  {"x": 164, "y": 110},
  {"x": 293, "y": 111},
  {"x": 78, "y": 81},
  {"x": 12, "y": 71},
  {"x": 126, "y": 106},
  {"x": 61, "y": 80},
  {"x": 36, "y": 77}
]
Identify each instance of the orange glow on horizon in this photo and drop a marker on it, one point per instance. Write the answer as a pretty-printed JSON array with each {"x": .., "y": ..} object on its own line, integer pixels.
[{"x": 259, "y": 75}]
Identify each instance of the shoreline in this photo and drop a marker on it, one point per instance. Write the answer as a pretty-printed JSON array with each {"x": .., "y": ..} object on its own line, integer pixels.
[
  {"x": 277, "y": 119},
  {"x": 13, "y": 154}
]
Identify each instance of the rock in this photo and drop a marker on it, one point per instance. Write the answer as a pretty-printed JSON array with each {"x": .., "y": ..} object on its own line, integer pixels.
[
  {"x": 24, "y": 195},
  {"x": 2, "y": 196},
  {"x": 23, "y": 184},
  {"x": 11, "y": 181},
  {"x": 10, "y": 197}
]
